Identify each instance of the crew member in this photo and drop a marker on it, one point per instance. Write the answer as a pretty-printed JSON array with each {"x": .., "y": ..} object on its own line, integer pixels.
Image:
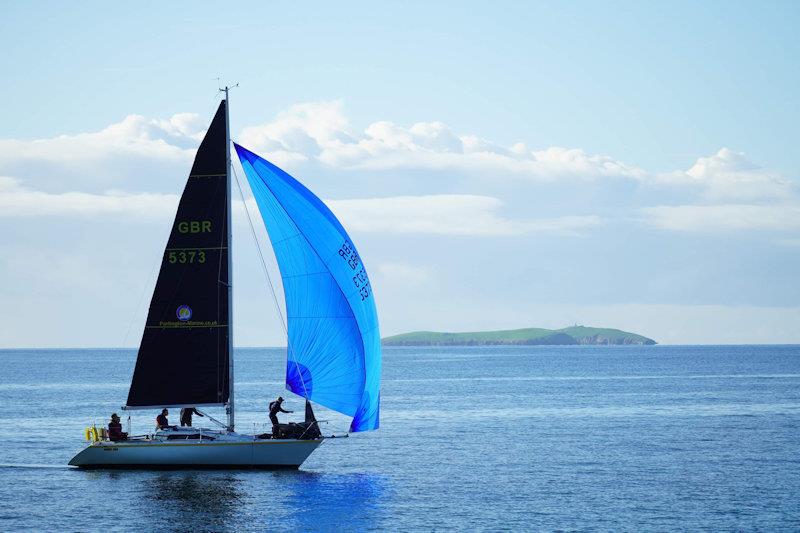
[
  {"x": 161, "y": 420},
  {"x": 274, "y": 409},
  {"x": 115, "y": 432},
  {"x": 186, "y": 415}
]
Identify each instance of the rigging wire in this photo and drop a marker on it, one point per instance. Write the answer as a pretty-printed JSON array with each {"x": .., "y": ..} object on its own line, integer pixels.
[
  {"x": 269, "y": 282},
  {"x": 156, "y": 262}
]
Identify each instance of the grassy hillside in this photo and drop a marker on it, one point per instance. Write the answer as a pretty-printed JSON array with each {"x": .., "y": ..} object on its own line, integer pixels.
[
  {"x": 586, "y": 335},
  {"x": 527, "y": 336}
]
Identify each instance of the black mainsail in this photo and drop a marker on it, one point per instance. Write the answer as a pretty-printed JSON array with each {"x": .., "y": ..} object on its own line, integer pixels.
[{"x": 184, "y": 358}]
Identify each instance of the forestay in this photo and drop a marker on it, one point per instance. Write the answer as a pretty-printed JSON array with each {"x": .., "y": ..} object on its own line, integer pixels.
[{"x": 334, "y": 351}]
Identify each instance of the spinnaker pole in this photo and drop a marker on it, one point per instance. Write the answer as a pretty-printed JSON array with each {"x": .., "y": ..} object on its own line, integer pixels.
[{"x": 230, "y": 408}]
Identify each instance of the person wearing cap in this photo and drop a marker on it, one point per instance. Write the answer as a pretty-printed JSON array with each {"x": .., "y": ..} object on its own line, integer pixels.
[
  {"x": 161, "y": 420},
  {"x": 274, "y": 409},
  {"x": 115, "y": 432}
]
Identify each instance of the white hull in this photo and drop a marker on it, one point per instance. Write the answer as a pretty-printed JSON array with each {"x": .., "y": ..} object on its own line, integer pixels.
[{"x": 226, "y": 451}]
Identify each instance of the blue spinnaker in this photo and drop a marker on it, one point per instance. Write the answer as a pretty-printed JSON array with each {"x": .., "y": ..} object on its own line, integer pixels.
[{"x": 334, "y": 353}]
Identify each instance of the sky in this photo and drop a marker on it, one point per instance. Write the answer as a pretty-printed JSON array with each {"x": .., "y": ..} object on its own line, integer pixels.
[{"x": 499, "y": 165}]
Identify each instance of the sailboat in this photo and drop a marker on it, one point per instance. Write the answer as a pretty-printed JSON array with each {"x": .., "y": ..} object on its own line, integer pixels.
[{"x": 186, "y": 356}]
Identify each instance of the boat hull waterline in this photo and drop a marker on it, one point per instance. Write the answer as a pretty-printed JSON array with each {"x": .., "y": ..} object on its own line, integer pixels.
[{"x": 262, "y": 454}]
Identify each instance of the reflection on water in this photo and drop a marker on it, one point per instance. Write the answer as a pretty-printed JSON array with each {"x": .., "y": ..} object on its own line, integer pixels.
[
  {"x": 207, "y": 498},
  {"x": 318, "y": 501},
  {"x": 174, "y": 500},
  {"x": 247, "y": 500}
]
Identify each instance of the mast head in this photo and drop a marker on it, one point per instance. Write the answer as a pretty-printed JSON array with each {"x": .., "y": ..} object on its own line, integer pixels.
[{"x": 226, "y": 88}]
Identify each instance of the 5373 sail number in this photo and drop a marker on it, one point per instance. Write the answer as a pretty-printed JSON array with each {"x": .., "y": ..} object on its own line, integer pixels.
[{"x": 187, "y": 256}]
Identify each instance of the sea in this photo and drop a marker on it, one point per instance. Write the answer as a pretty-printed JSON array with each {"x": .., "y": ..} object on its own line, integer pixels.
[{"x": 502, "y": 438}]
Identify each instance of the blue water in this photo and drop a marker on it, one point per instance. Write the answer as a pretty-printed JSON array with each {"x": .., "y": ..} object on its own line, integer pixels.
[{"x": 514, "y": 438}]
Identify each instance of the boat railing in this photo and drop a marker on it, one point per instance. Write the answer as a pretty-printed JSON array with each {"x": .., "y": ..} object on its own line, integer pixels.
[{"x": 98, "y": 434}]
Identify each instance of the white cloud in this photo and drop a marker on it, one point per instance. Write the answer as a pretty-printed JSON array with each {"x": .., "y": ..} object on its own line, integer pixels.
[
  {"x": 173, "y": 138},
  {"x": 299, "y": 133},
  {"x": 79, "y": 174},
  {"x": 19, "y": 201},
  {"x": 728, "y": 217},
  {"x": 729, "y": 175},
  {"x": 736, "y": 194},
  {"x": 447, "y": 214},
  {"x": 434, "y": 214},
  {"x": 320, "y": 131},
  {"x": 135, "y": 153},
  {"x": 125, "y": 154},
  {"x": 180, "y": 125}
]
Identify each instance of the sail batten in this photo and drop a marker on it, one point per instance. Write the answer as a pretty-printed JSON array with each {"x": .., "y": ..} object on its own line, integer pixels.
[
  {"x": 334, "y": 346},
  {"x": 183, "y": 357}
]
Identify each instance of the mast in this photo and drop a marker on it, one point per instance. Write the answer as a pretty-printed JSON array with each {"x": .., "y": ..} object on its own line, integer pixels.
[{"x": 230, "y": 408}]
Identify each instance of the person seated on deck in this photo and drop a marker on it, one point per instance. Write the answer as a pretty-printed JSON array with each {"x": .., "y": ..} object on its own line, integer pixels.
[
  {"x": 161, "y": 420},
  {"x": 274, "y": 409},
  {"x": 115, "y": 432},
  {"x": 186, "y": 415}
]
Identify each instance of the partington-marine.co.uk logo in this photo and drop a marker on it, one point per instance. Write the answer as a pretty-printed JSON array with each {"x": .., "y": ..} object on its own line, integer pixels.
[{"x": 184, "y": 313}]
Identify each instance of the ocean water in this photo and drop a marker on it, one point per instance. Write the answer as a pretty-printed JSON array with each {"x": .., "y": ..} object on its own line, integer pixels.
[{"x": 472, "y": 438}]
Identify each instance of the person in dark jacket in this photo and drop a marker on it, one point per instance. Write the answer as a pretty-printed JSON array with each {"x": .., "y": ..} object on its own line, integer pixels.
[
  {"x": 274, "y": 409},
  {"x": 115, "y": 432},
  {"x": 161, "y": 420},
  {"x": 186, "y": 415}
]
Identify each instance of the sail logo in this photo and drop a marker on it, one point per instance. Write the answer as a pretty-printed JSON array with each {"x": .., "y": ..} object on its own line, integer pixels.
[{"x": 184, "y": 313}]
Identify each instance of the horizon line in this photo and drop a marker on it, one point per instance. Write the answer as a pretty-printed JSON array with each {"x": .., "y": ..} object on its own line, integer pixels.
[{"x": 7, "y": 348}]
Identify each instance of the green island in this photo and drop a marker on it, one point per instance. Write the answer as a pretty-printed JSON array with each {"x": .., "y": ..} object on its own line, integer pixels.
[{"x": 527, "y": 336}]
